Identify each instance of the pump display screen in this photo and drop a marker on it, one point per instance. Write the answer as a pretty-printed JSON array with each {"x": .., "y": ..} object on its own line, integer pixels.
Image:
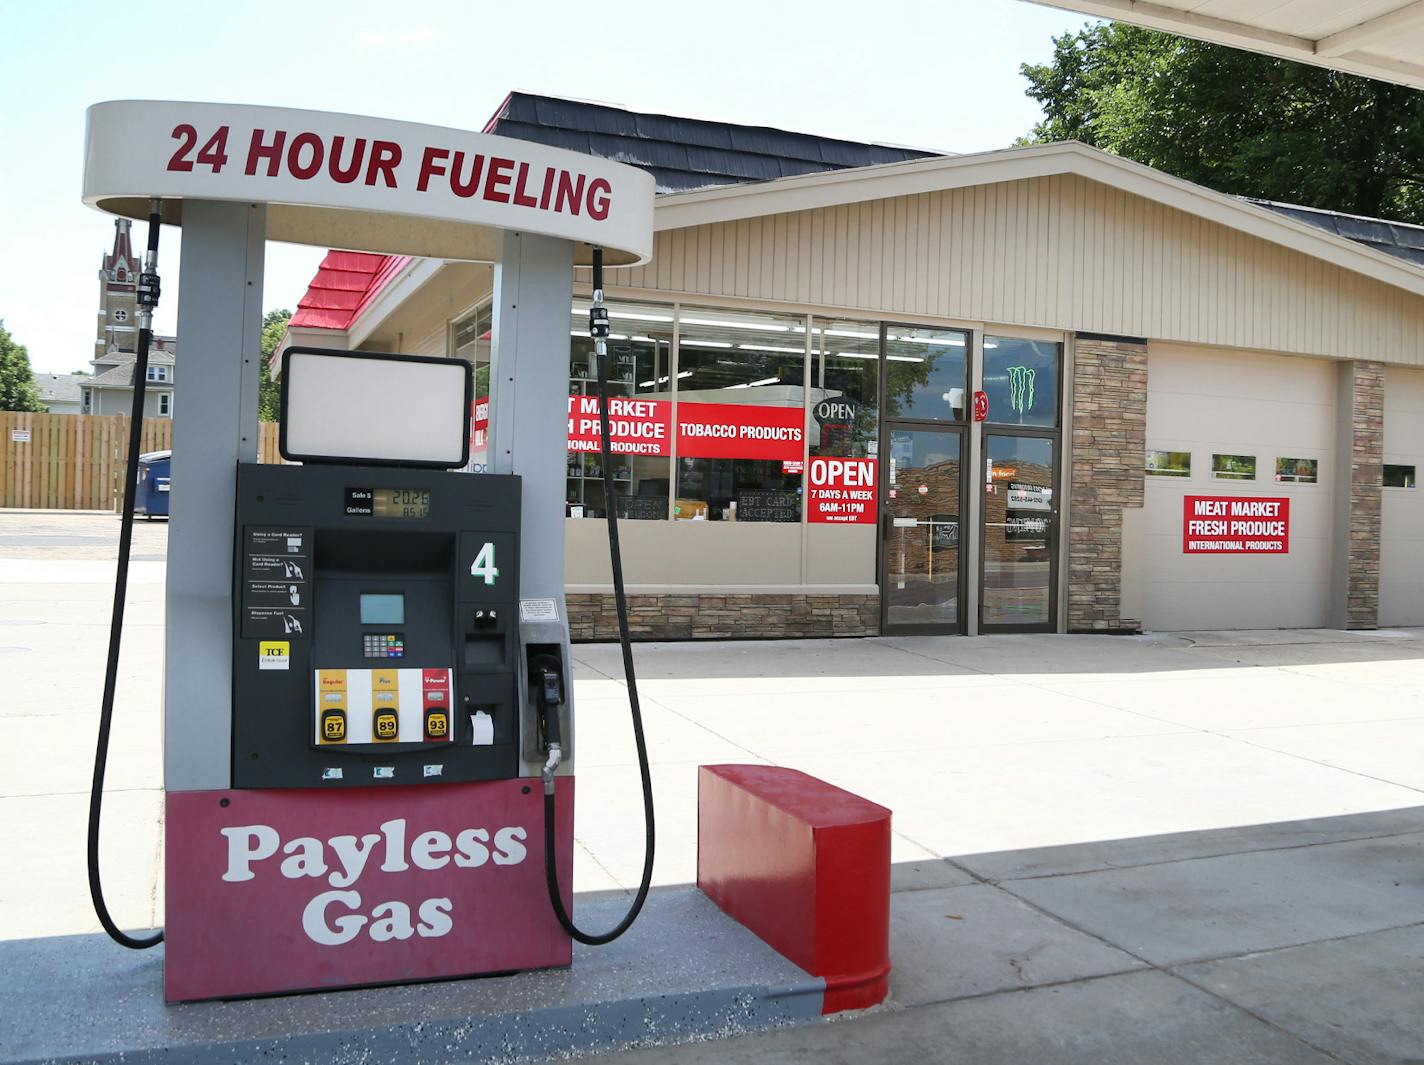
[
  {"x": 402, "y": 503},
  {"x": 382, "y": 608},
  {"x": 388, "y": 502}
]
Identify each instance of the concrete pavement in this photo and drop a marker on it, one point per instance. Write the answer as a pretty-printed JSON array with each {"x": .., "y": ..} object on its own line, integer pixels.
[{"x": 1185, "y": 847}]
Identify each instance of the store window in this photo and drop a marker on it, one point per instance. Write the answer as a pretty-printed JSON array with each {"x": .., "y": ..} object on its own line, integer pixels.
[
  {"x": 470, "y": 340},
  {"x": 1169, "y": 464},
  {"x": 1233, "y": 467},
  {"x": 640, "y": 388},
  {"x": 740, "y": 416},
  {"x": 1398, "y": 476},
  {"x": 1021, "y": 381},
  {"x": 926, "y": 373},
  {"x": 1297, "y": 471},
  {"x": 843, "y": 432}
]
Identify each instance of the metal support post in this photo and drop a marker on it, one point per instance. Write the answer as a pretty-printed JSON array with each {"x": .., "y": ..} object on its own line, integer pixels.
[
  {"x": 529, "y": 372},
  {"x": 214, "y": 428}
]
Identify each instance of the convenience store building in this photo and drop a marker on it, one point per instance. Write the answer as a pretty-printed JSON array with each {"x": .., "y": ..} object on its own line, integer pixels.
[{"x": 870, "y": 390}]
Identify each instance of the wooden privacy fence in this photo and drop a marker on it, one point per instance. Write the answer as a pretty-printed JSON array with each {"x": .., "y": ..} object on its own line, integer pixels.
[{"x": 77, "y": 461}]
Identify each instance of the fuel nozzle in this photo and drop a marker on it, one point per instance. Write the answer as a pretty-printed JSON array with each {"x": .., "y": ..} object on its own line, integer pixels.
[
  {"x": 553, "y": 689},
  {"x": 547, "y": 680}
]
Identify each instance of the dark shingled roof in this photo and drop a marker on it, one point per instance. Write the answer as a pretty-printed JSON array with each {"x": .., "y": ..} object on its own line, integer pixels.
[
  {"x": 1400, "y": 239},
  {"x": 683, "y": 153}
]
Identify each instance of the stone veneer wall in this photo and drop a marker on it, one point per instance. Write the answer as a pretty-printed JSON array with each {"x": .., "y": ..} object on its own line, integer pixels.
[
  {"x": 593, "y": 616},
  {"x": 1109, "y": 455},
  {"x": 1366, "y": 471}
]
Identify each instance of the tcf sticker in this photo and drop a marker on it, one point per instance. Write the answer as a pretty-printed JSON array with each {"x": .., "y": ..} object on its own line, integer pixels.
[{"x": 274, "y": 654}]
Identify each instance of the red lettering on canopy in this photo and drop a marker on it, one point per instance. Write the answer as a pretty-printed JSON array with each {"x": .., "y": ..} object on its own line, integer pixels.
[
  {"x": 497, "y": 179},
  {"x": 600, "y": 195},
  {"x": 257, "y": 150},
  {"x": 345, "y": 175},
  {"x": 462, "y": 184},
  {"x": 385, "y": 157},
  {"x": 432, "y": 164},
  {"x": 522, "y": 198},
  {"x": 314, "y": 149}
]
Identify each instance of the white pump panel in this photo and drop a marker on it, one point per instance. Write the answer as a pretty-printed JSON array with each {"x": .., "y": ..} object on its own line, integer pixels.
[{"x": 359, "y": 407}]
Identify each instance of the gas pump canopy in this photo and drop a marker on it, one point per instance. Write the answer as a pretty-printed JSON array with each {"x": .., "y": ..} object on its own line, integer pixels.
[
  {"x": 363, "y": 184},
  {"x": 1382, "y": 39}
]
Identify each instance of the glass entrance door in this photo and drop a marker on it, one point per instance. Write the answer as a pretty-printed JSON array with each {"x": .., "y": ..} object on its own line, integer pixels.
[
  {"x": 922, "y": 576},
  {"x": 1019, "y": 546}
]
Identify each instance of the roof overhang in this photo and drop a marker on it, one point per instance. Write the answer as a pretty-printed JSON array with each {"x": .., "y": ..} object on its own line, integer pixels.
[
  {"x": 834, "y": 188},
  {"x": 1382, "y": 39}
]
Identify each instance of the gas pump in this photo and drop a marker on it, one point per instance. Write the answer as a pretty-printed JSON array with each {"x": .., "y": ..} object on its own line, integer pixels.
[
  {"x": 375, "y": 642},
  {"x": 400, "y": 735}
]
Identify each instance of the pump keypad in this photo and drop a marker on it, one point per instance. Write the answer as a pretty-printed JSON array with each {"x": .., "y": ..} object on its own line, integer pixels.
[{"x": 383, "y": 645}]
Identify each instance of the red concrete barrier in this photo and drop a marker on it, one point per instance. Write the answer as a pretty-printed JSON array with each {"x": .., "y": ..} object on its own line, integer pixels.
[{"x": 804, "y": 865}]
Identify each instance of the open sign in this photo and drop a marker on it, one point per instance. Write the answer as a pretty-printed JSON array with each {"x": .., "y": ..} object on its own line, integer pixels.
[
  {"x": 837, "y": 411},
  {"x": 842, "y": 490}
]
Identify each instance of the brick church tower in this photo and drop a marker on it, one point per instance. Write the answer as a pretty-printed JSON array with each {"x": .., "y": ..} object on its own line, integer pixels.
[{"x": 117, "y": 328}]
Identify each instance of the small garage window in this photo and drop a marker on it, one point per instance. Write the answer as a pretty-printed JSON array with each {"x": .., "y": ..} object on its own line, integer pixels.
[
  {"x": 1169, "y": 463},
  {"x": 1398, "y": 476},
  {"x": 1298, "y": 471},
  {"x": 1233, "y": 467}
]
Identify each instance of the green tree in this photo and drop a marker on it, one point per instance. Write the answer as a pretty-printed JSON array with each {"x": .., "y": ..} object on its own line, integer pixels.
[
  {"x": 269, "y": 396},
  {"x": 1235, "y": 121},
  {"x": 17, "y": 380}
]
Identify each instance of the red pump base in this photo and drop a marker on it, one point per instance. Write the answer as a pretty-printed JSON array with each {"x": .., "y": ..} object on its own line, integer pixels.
[{"x": 299, "y": 890}]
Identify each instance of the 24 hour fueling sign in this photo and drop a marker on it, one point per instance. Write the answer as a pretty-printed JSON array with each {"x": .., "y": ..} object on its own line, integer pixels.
[{"x": 1235, "y": 525}]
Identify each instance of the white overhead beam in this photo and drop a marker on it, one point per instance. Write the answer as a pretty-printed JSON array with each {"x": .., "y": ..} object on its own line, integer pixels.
[
  {"x": 1371, "y": 31},
  {"x": 1186, "y": 23},
  {"x": 1240, "y": 35}
]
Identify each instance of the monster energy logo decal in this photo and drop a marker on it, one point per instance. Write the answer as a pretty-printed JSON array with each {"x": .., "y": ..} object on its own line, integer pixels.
[{"x": 1021, "y": 388}]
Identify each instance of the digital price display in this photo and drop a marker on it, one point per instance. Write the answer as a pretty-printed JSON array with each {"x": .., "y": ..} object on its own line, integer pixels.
[
  {"x": 402, "y": 503},
  {"x": 388, "y": 502}
]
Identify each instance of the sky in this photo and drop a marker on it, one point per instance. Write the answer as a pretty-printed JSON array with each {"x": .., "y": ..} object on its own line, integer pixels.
[{"x": 937, "y": 75}]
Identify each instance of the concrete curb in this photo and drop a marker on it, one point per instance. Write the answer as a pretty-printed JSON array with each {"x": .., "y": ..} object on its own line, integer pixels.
[{"x": 686, "y": 972}]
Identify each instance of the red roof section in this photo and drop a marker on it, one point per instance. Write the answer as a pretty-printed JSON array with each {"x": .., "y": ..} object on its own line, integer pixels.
[{"x": 345, "y": 282}]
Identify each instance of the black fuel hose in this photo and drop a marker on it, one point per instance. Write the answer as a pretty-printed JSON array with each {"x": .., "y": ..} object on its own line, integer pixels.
[
  {"x": 551, "y": 874},
  {"x": 116, "y": 623}
]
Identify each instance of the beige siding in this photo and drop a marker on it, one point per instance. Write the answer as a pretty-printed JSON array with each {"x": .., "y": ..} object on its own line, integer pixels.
[
  {"x": 434, "y": 342},
  {"x": 1057, "y": 252}
]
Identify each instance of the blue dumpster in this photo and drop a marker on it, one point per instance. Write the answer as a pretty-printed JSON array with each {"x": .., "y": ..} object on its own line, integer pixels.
[{"x": 153, "y": 484}]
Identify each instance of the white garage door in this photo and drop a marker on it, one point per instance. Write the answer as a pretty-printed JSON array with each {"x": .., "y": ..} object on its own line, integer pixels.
[
  {"x": 1279, "y": 412},
  {"x": 1402, "y": 518}
]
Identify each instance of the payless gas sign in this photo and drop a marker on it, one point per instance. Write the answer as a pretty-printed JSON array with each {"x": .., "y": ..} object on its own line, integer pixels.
[
  {"x": 313, "y": 888},
  {"x": 1235, "y": 525}
]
